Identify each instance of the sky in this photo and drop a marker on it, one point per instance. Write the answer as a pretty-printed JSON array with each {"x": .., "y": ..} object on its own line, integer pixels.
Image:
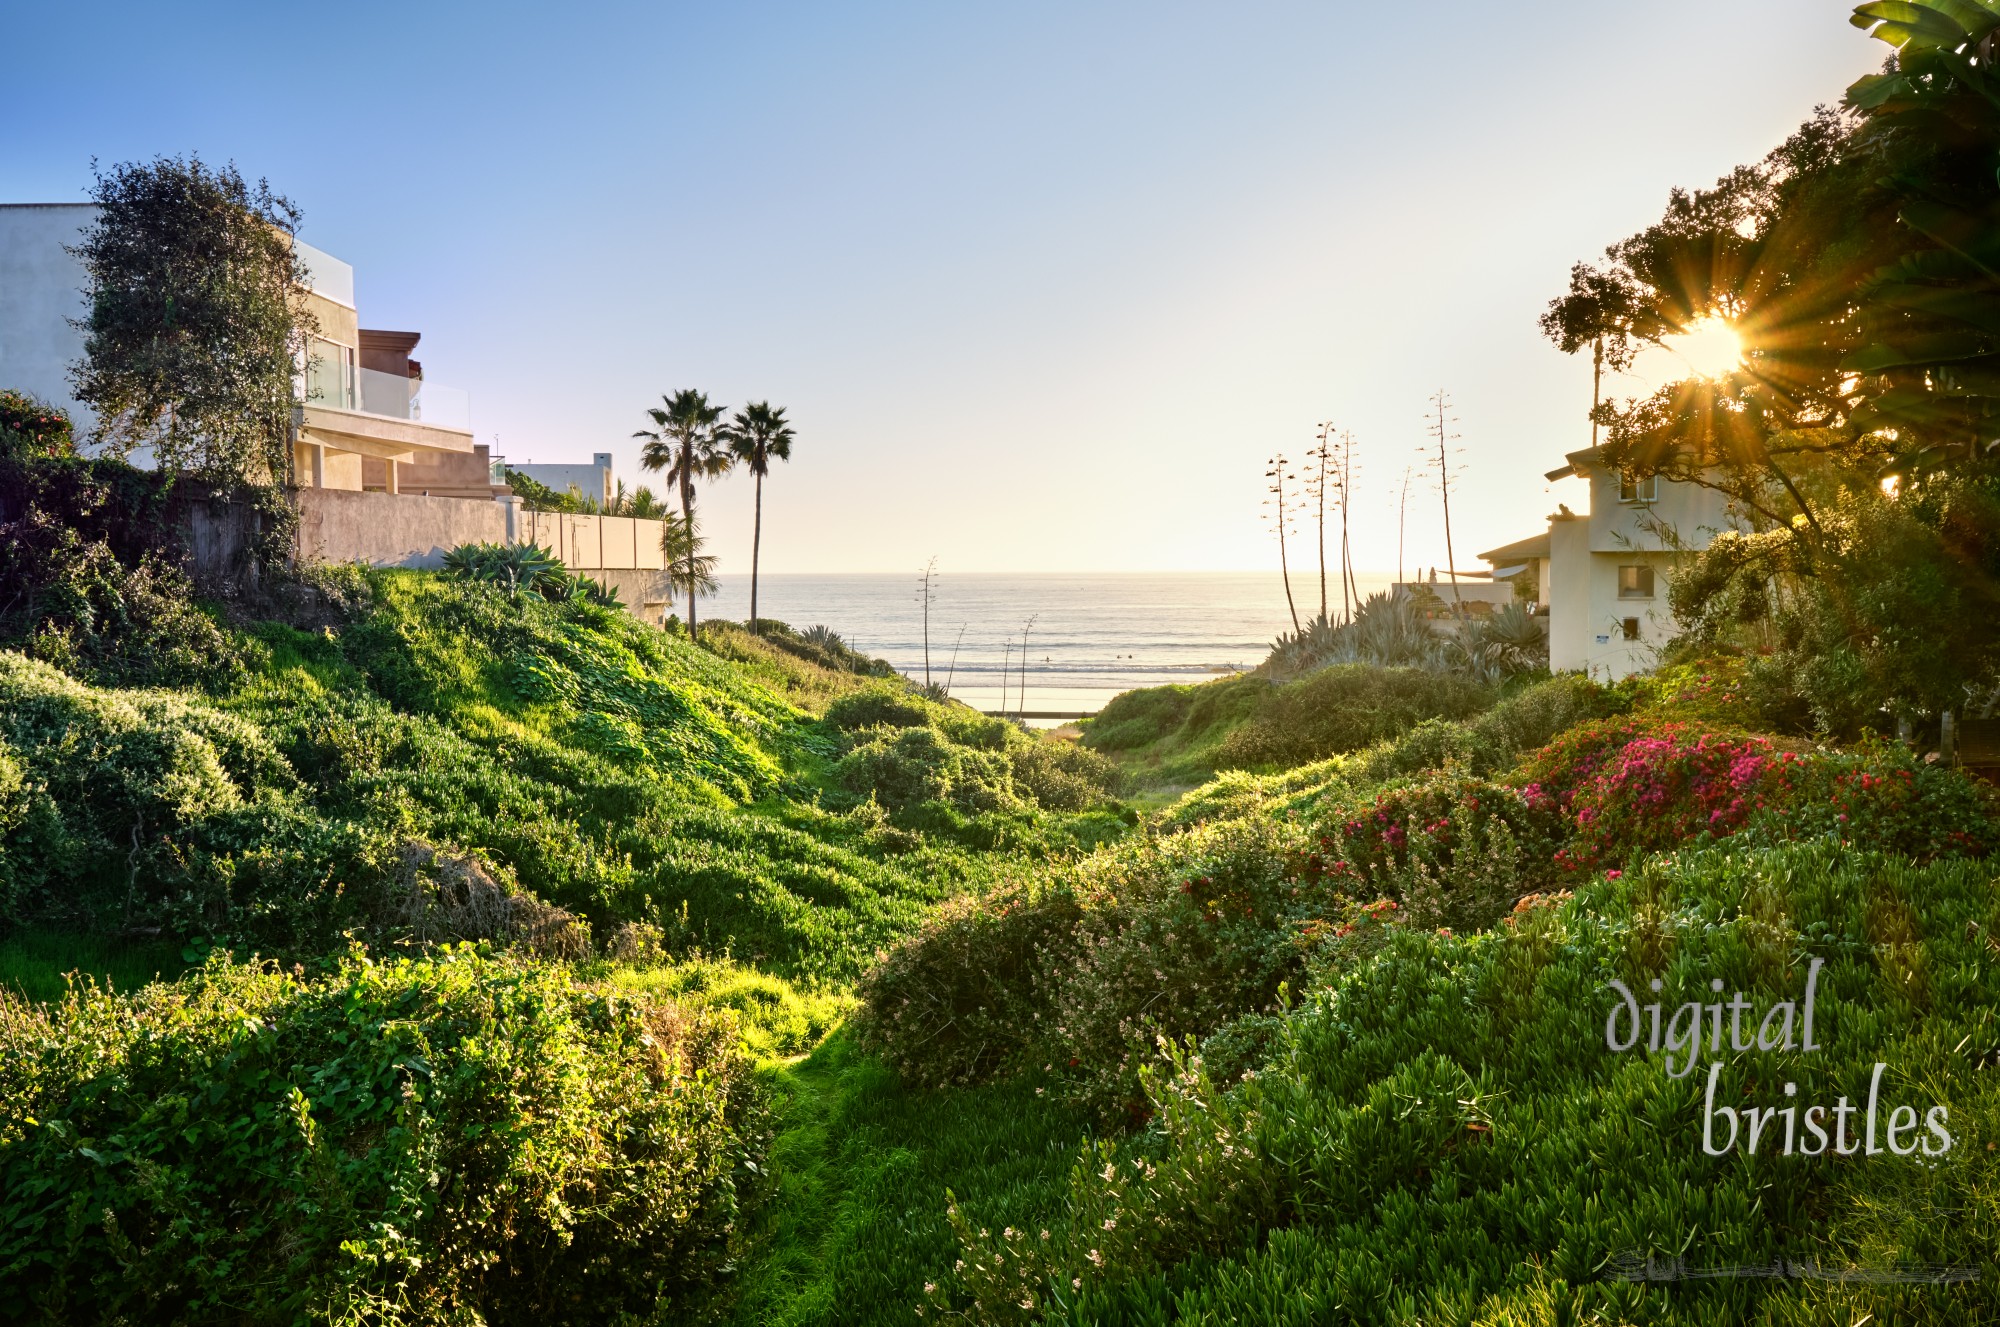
[{"x": 1041, "y": 285}]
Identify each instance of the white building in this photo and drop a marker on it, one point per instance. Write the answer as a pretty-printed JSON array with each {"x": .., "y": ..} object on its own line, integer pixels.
[
  {"x": 368, "y": 422},
  {"x": 591, "y": 481},
  {"x": 1602, "y": 575}
]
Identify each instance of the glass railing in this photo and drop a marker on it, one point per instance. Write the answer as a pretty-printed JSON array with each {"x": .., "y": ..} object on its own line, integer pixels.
[
  {"x": 446, "y": 407},
  {"x": 390, "y": 395}
]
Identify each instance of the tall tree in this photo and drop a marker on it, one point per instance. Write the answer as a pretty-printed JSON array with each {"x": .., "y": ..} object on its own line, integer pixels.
[
  {"x": 758, "y": 435},
  {"x": 198, "y": 318},
  {"x": 1857, "y": 265},
  {"x": 688, "y": 568},
  {"x": 1277, "y": 475},
  {"x": 1444, "y": 436},
  {"x": 688, "y": 443}
]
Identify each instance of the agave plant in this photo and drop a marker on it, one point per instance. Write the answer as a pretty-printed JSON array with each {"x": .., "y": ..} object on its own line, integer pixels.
[
  {"x": 824, "y": 637},
  {"x": 518, "y": 567},
  {"x": 1388, "y": 630}
]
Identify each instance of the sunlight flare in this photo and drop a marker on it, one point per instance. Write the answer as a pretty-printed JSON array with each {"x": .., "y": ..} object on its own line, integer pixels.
[{"x": 1709, "y": 346}]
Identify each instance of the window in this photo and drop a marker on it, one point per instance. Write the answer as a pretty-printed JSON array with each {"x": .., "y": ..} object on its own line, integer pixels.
[
  {"x": 1639, "y": 490},
  {"x": 1631, "y": 625},
  {"x": 330, "y": 374},
  {"x": 1635, "y": 582}
]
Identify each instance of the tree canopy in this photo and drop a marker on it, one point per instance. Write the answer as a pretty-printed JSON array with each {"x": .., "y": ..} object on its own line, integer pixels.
[
  {"x": 1859, "y": 265},
  {"x": 197, "y": 321}
]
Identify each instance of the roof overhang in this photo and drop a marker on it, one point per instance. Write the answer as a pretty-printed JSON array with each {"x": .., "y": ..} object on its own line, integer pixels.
[{"x": 1521, "y": 550}]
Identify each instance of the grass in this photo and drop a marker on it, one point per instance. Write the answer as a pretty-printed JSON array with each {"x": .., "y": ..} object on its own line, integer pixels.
[
  {"x": 775, "y": 1019},
  {"x": 852, "y": 1223},
  {"x": 36, "y": 962}
]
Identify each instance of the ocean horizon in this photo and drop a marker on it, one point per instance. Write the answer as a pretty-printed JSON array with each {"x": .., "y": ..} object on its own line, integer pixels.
[{"x": 1094, "y": 634}]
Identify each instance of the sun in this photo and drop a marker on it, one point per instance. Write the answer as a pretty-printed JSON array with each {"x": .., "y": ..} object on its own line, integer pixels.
[{"x": 1709, "y": 346}]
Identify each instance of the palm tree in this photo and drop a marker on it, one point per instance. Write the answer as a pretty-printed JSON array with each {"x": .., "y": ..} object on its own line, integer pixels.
[
  {"x": 759, "y": 435},
  {"x": 686, "y": 443},
  {"x": 688, "y": 568}
]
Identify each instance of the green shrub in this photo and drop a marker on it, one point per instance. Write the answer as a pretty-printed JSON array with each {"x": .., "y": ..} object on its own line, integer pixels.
[
  {"x": 915, "y": 765},
  {"x": 1441, "y": 1134},
  {"x": 107, "y": 788},
  {"x": 34, "y": 427},
  {"x": 958, "y": 1001},
  {"x": 1170, "y": 936},
  {"x": 453, "y": 1138},
  {"x": 1456, "y": 851},
  {"x": 1627, "y": 786},
  {"x": 1062, "y": 776},
  {"x": 879, "y": 706},
  {"x": 1172, "y": 734},
  {"x": 1345, "y": 708}
]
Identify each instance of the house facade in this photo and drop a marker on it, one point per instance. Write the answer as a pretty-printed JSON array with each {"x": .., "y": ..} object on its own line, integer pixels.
[
  {"x": 368, "y": 422},
  {"x": 1601, "y": 575},
  {"x": 384, "y": 466}
]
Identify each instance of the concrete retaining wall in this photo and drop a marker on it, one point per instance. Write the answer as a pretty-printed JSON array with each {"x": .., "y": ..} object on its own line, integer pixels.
[
  {"x": 393, "y": 529},
  {"x": 405, "y": 530}
]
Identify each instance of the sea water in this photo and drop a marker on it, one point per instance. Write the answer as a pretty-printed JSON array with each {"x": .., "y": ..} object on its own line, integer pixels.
[{"x": 1093, "y": 635}]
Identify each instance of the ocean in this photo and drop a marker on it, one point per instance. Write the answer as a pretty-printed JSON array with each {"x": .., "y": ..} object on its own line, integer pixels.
[{"x": 1093, "y": 635}]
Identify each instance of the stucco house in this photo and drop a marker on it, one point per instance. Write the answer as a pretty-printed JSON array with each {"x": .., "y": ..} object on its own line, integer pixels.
[
  {"x": 385, "y": 469},
  {"x": 1602, "y": 574},
  {"x": 369, "y": 420}
]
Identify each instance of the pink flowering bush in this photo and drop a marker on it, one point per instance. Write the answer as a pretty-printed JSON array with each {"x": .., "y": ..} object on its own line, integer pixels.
[
  {"x": 1623, "y": 787},
  {"x": 1456, "y": 851}
]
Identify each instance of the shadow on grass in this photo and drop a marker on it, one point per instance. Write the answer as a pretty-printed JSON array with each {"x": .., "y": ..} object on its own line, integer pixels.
[
  {"x": 853, "y": 1224},
  {"x": 36, "y": 963}
]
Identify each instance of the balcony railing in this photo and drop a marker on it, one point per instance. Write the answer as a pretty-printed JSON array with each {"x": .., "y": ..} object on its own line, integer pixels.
[{"x": 330, "y": 383}]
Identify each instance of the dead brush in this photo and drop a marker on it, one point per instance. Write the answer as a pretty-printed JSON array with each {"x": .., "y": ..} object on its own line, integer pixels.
[{"x": 438, "y": 897}]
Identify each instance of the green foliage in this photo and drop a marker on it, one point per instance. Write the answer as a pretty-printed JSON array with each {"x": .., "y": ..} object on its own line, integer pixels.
[
  {"x": 92, "y": 573},
  {"x": 33, "y": 427},
  {"x": 1440, "y": 1134},
  {"x": 1173, "y": 734},
  {"x": 772, "y": 1017},
  {"x": 861, "y": 1172},
  {"x": 916, "y": 765},
  {"x": 198, "y": 318},
  {"x": 525, "y": 569},
  {"x": 409, "y": 1142},
  {"x": 1455, "y": 851},
  {"x": 1344, "y": 708},
  {"x": 38, "y": 963}
]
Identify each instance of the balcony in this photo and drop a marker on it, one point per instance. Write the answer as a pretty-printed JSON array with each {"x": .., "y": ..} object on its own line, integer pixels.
[{"x": 381, "y": 415}]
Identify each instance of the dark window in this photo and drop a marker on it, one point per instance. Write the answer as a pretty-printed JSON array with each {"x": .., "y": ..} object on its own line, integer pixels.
[
  {"x": 1635, "y": 582},
  {"x": 1639, "y": 490},
  {"x": 1631, "y": 628}
]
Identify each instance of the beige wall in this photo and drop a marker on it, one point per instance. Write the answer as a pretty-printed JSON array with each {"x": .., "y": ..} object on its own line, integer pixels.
[
  {"x": 585, "y": 542},
  {"x": 392, "y": 530},
  {"x": 337, "y": 322},
  {"x": 408, "y": 530}
]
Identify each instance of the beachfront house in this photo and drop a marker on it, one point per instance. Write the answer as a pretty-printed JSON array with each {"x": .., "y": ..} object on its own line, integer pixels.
[
  {"x": 385, "y": 469},
  {"x": 1601, "y": 575},
  {"x": 369, "y": 421}
]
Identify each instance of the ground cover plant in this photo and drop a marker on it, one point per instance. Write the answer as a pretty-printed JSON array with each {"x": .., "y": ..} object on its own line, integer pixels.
[
  {"x": 1184, "y": 734},
  {"x": 1437, "y": 1131},
  {"x": 447, "y": 1138}
]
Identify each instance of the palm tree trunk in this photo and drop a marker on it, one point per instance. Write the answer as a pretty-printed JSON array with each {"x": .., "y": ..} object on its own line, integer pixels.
[
  {"x": 687, "y": 518},
  {"x": 756, "y": 544}
]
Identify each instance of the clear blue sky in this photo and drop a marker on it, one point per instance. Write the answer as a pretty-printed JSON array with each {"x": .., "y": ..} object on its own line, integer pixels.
[{"x": 1041, "y": 283}]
